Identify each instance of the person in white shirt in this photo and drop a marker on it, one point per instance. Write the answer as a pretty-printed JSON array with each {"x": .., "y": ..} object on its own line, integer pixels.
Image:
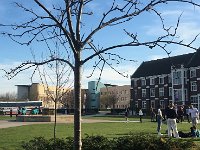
[
  {"x": 194, "y": 115},
  {"x": 159, "y": 120},
  {"x": 140, "y": 114}
]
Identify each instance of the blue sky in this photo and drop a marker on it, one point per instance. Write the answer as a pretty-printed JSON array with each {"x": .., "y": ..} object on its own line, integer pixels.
[{"x": 147, "y": 26}]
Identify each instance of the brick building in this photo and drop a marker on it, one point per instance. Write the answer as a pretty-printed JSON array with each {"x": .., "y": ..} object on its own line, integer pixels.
[
  {"x": 116, "y": 97},
  {"x": 174, "y": 79}
]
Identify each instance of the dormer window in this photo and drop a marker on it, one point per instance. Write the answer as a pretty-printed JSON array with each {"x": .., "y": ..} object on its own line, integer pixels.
[
  {"x": 152, "y": 81},
  {"x": 143, "y": 82},
  {"x": 161, "y": 80},
  {"x": 192, "y": 73},
  {"x": 177, "y": 77}
]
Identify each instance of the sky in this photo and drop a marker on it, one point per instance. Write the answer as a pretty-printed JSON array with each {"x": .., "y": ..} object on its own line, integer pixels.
[{"x": 147, "y": 26}]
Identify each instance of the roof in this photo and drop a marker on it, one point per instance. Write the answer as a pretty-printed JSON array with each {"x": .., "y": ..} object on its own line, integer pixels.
[
  {"x": 195, "y": 60},
  {"x": 163, "y": 66},
  {"x": 23, "y": 85}
]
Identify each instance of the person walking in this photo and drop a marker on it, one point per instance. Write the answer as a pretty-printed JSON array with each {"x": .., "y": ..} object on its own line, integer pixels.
[
  {"x": 126, "y": 114},
  {"x": 11, "y": 112},
  {"x": 140, "y": 114},
  {"x": 187, "y": 114},
  {"x": 159, "y": 120},
  {"x": 152, "y": 115},
  {"x": 171, "y": 121},
  {"x": 194, "y": 115},
  {"x": 180, "y": 114}
]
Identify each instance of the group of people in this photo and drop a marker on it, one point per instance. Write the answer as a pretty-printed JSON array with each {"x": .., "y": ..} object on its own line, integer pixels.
[
  {"x": 126, "y": 114},
  {"x": 171, "y": 116}
]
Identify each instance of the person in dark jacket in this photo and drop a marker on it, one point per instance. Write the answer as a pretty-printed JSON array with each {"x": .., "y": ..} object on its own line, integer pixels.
[
  {"x": 171, "y": 116},
  {"x": 180, "y": 114},
  {"x": 153, "y": 115},
  {"x": 126, "y": 114}
]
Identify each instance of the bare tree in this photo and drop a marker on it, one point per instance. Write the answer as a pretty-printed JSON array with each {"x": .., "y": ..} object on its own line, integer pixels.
[
  {"x": 8, "y": 96},
  {"x": 104, "y": 101},
  {"x": 113, "y": 98},
  {"x": 67, "y": 21},
  {"x": 67, "y": 100},
  {"x": 55, "y": 77},
  {"x": 109, "y": 99}
]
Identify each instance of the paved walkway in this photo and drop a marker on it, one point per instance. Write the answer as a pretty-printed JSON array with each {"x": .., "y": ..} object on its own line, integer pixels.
[
  {"x": 8, "y": 124},
  {"x": 13, "y": 123}
]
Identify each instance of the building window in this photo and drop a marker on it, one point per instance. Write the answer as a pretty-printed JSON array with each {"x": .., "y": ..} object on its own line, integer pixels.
[
  {"x": 192, "y": 73},
  {"x": 136, "y": 104},
  {"x": 161, "y": 92},
  {"x": 152, "y": 92},
  {"x": 143, "y": 92},
  {"x": 177, "y": 95},
  {"x": 152, "y": 81},
  {"x": 194, "y": 100},
  {"x": 143, "y": 104},
  {"x": 135, "y": 83},
  {"x": 161, "y": 80},
  {"x": 143, "y": 82},
  {"x": 177, "y": 77},
  {"x": 162, "y": 104},
  {"x": 170, "y": 91},
  {"x": 194, "y": 86},
  {"x": 135, "y": 93}
]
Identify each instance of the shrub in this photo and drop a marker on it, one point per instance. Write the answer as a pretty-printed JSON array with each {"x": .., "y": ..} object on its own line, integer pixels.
[
  {"x": 97, "y": 143},
  {"x": 130, "y": 142},
  {"x": 150, "y": 142},
  {"x": 136, "y": 142},
  {"x": 39, "y": 143}
]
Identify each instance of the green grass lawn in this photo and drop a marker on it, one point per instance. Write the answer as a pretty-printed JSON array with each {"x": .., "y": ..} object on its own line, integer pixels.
[
  {"x": 11, "y": 138},
  {"x": 3, "y": 117}
]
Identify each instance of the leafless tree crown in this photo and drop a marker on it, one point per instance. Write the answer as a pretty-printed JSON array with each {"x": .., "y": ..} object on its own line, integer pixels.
[{"x": 68, "y": 21}]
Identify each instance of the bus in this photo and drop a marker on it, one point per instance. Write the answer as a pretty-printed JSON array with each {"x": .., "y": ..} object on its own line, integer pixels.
[{"x": 6, "y": 107}]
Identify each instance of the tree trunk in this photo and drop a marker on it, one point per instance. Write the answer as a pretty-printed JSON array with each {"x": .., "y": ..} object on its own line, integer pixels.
[
  {"x": 55, "y": 116},
  {"x": 77, "y": 105}
]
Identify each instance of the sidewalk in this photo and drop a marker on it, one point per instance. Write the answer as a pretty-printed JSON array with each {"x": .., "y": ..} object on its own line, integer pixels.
[{"x": 8, "y": 124}]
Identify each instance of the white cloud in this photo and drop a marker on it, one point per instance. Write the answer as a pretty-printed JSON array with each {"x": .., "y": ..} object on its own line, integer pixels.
[
  {"x": 188, "y": 31},
  {"x": 110, "y": 76},
  {"x": 155, "y": 57},
  {"x": 23, "y": 78}
]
